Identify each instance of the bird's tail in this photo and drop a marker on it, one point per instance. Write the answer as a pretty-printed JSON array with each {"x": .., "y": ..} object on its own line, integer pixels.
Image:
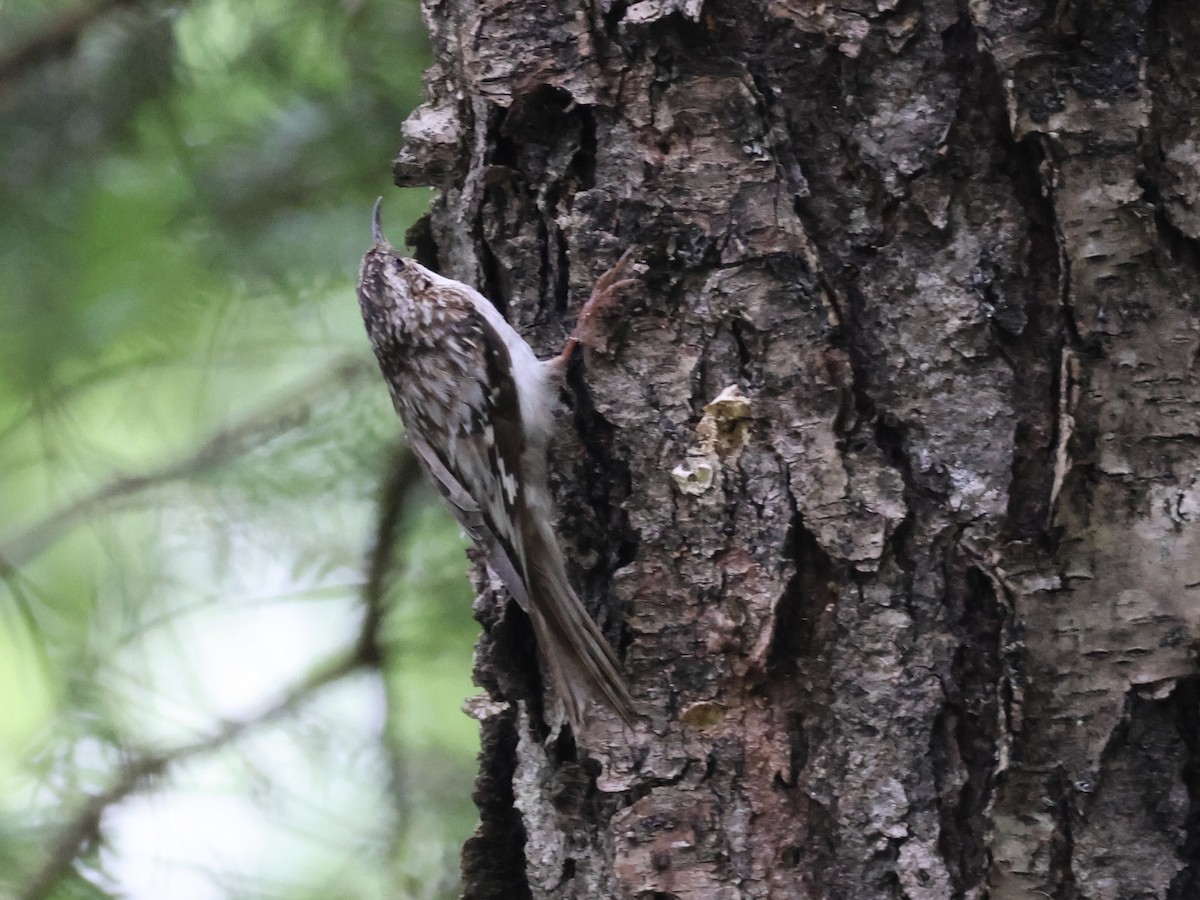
[{"x": 582, "y": 664}]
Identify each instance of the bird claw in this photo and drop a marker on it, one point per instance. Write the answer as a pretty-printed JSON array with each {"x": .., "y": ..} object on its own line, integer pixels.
[
  {"x": 607, "y": 287},
  {"x": 608, "y": 281}
]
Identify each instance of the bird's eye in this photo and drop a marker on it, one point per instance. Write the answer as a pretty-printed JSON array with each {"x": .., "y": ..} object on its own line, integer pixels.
[{"x": 398, "y": 261}]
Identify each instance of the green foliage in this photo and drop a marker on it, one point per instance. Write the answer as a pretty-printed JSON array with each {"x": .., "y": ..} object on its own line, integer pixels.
[{"x": 192, "y": 438}]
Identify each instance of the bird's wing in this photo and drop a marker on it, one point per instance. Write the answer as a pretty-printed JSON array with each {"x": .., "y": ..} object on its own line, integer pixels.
[
  {"x": 477, "y": 459},
  {"x": 475, "y": 453}
]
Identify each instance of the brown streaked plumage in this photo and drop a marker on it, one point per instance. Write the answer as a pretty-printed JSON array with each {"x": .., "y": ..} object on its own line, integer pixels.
[{"x": 477, "y": 406}]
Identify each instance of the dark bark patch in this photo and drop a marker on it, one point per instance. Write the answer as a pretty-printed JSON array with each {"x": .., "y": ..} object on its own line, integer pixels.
[
  {"x": 1035, "y": 355},
  {"x": 493, "y": 859},
  {"x": 966, "y": 731},
  {"x": 1130, "y": 823},
  {"x": 1169, "y": 176},
  {"x": 420, "y": 238},
  {"x": 804, "y": 615},
  {"x": 1103, "y": 43},
  {"x": 596, "y": 505},
  {"x": 1186, "y": 707},
  {"x": 506, "y": 663}
]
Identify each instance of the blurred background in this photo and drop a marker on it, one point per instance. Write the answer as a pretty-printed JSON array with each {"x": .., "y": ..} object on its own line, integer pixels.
[{"x": 195, "y": 458}]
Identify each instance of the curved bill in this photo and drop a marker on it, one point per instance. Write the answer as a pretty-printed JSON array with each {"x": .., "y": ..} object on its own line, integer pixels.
[{"x": 376, "y": 228}]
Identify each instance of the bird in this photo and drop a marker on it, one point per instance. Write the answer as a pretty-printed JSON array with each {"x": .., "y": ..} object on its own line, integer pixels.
[{"x": 477, "y": 406}]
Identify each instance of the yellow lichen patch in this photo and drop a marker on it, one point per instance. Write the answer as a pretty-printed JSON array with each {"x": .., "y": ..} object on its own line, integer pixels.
[
  {"x": 723, "y": 431},
  {"x": 703, "y": 715},
  {"x": 728, "y": 420}
]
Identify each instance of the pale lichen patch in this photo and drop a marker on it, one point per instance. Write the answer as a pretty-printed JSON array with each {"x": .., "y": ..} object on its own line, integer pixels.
[{"x": 723, "y": 431}]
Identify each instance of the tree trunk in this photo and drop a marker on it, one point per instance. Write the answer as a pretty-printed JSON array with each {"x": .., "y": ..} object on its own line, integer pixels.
[{"x": 912, "y": 612}]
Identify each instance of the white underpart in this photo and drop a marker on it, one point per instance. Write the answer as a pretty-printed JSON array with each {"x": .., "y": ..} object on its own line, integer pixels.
[{"x": 536, "y": 393}]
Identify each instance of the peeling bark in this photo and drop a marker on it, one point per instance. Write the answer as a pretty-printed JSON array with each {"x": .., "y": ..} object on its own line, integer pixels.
[{"x": 910, "y": 612}]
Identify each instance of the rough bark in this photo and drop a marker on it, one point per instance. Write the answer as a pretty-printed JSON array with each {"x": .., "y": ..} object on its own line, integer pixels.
[{"x": 912, "y": 613}]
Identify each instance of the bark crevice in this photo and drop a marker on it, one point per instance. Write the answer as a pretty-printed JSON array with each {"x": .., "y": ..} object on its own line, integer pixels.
[{"x": 493, "y": 859}]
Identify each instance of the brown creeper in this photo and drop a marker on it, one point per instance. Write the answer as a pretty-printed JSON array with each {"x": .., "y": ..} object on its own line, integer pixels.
[{"x": 477, "y": 406}]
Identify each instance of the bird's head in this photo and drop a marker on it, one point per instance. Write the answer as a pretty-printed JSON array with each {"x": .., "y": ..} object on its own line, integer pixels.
[{"x": 391, "y": 288}]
